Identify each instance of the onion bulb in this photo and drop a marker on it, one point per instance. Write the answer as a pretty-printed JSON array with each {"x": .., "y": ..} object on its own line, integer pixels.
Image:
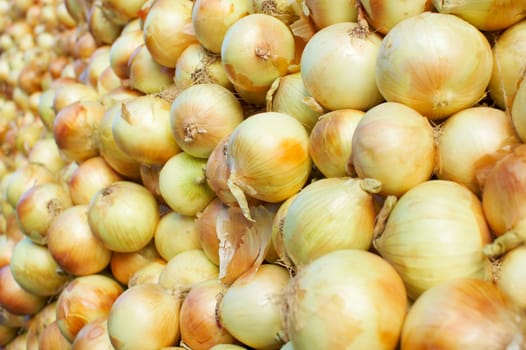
[
  {"x": 384, "y": 15},
  {"x": 123, "y": 216},
  {"x": 468, "y": 142},
  {"x": 518, "y": 110},
  {"x": 445, "y": 64},
  {"x": 434, "y": 233},
  {"x": 327, "y": 12},
  {"x": 125, "y": 265},
  {"x": 103, "y": 29},
  {"x": 146, "y": 75},
  {"x": 450, "y": 316},
  {"x": 357, "y": 291},
  {"x": 70, "y": 92},
  {"x": 176, "y": 233},
  {"x": 250, "y": 309},
  {"x": 145, "y": 316},
  {"x": 38, "y": 322},
  {"x": 121, "y": 51},
  {"x": 18, "y": 343},
  {"x": 122, "y": 11},
  {"x": 7, "y": 334},
  {"x": 256, "y": 50},
  {"x": 25, "y": 177},
  {"x": 202, "y": 115},
  {"x": 16, "y": 299},
  {"x": 148, "y": 273},
  {"x": 199, "y": 327},
  {"x": 330, "y": 141},
  {"x": 52, "y": 338},
  {"x": 94, "y": 335},
  {"x": 275, "y": 167},
  {"x": 338, "y": 65},
  {"x": 186, "y": 269},
  {"x": 395, "y": 145},
  {"x": 85, "y": 299},
  {"x": 511, "y": 278},
  {"x": 45, "y": 151}
]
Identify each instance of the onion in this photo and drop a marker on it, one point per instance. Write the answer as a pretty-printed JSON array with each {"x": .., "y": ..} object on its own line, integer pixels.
[
  {"x": 327, "y": 12},
  {"x": 288, "y": 95},
  {"x": 122, "y": 11},
  {"x": 338, "y": 65},
  {"x": 199, "y": 327},
  {"x": 85, "y": 46},
  {"x": 212, "y": 18},
  {"x": 6, "y": 249},
  {"x": 368, "y": 304},
  {"x": 206, "y": 229},
  {"x": 146, "y": 75},
  {"x": 85, "y": 299},
  {"x": 486, "y": 15},
  {"x": 103, "y": 29},
  {"x": 107, "y": 81},
  {"x": 186, "y": 269},
  {"x": 11, "y": 320},
  {"x": 509, "y": 55},
  {"x": 123, "y": 216},
  {"x": 202, "y": 115},
  {"x": 94, "y": 335},
  {"x": 256, "y": 50},
  {"x": 122, "y": 49},
  {"x": 52, "y": 338},
  {"x": 330, "y": 141},
  {"x": 98, "y": 61},
  {"x": 462, "y": 155},
  {"x": 384, "y": 15},
  {"x": 89, "y": 177},
  {"x": 24, "y": 178},
  {"x": 27, "y": 135},
  {"x": 272, "y": 169},
  {"x": 150, "y": 180},
  {"x": 72, "y": 244},
  {"x": 196, "y": 65},
  {"x": 12, "y": 230},
  {"x": 125, "y": 265},
  {"x": 75, "y": 130},
  {"x": 380, "y": 147},
  {"x": 176, "y": 233},
  {"x": 518, "y": 110},
  {"x": 510, "y": 278},
  {"x": 148, "y": 273},
  {"x": 18, "y": 343},
  {"x": 38, "y": 322},
  {"x": 168, "y": 30},
  {"x": 7, "y": 334},
  {"x": 14, "y": 298},
  {"x": 158, "y": 322},
  {"x": 118, "y": 95},
  {"x": 35, "y": 270},
  {"x": 142, "y": 130},
  {"x": 45, "y": 151},
  {"x": 250, "y": 309},
  {"x": 183, "y": 186},
  {"x": 442, "y": 78},
  {"x": 276, "y": 237},
  {"x": 38, "y": 207},
  {"x": 434, "y": 233},
  {"x": 449, "y": 316},
  {"x": 71, "y": 92}
]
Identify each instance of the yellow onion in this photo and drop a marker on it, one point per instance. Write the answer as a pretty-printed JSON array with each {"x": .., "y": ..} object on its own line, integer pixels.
[
  {"x": 176, "y": 233},
  {"x": 11, "y": 320},
  {"x": 288, "y": 95},
  {"x": 338, "y": 65},
  {"x": 449, "y": 316},
  {"x": 69, "y": 92},
  {"x": 38, "y": 322},
  {"x": 275, "y": 167},
  {"x": 227, "y": 347},
  {"x": 16, "y": 299},
  {"x": 434, "y": 233},
  {"x": 277, "y": 233},
  {"x": 445, "y": 64},
  {"x": 52, "y": 338},
  {"x": 45, "y": 108},
  {"x": 502, "y": 200},
  {"x": 250, "y": 309},
  {"x": 118, "y": 95},
  {"x": 510, "y": 278},
  {"x": 107, "y": 81},
  {"x": 38, "y": 207},
  {"x": 150, "y": 180},
  {"x": 183, "y": 186},
  {"x": 202, "y": 115},
  {"x": 123, "y": 216},
  {"x": 7, "y": 334},
  {"x": 124, "y": 265},
  {"x": 186, "y": 269},
  {"x": 89, "y": 177},
  {"x": 148, "y": 273},
  {"x": 395, "y": 145},
  {"x": 35, "y": 270},
  {"x": 98, "y": 61},
  {"x": 142, "y": 130},
  {"x": 75, "y": 130},
  {"x": 6, "y": 249},
  {"x": 285, "y": 10},
  {"x": 330, "y": 214},
  {"x": 384, "y": 15},
  {"x": 45, "y": 151},
  {"x": 145, "y": 316},
  {"x": 462, "y": 153},
  {"x": 199, "y": 327},
  {"x": 103, "y": 28},
  {"x": 212, "y": 18},
  {"x": 168, "y": 30},
  {"x": 330, "y": 141},
  {"x": 12, "y": 230},
  {"x": 146, "y": 75},
  {"x": 121, "y": 51},
  {"x": 207, "y": 230},
  {"x": 486, "y": 15},
  {"x": 357, "y": 291},
  {"x": 327, "y": 12},
  {"x": 25, "y": 177},
  {"x": 27, "y": 135},
  {"x": 85, "y": 299},
  {"x": 196, "y": 65},
  {"x": 85, "y": 45},
  {"x": 18, "y": 343},
  {"x": 94, "y": 335},
  {"x": 59, "y": 14},
  {"x": 518, "y": 110},
  {"x": 122, "y": 11},
  {"x": 256, "y": 50},
  {"x": 72, "y": 244},
  {"x": 509, "y": 55},
  {"x": 120, "y": 161}
]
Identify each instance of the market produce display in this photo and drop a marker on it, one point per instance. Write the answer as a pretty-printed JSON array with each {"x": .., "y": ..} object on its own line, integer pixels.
[{"x": 262, "y": 174}]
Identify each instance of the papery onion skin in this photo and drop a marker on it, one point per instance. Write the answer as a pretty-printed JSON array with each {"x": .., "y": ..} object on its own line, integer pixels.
[
  {"x": 38, "y": 322},
  {"x": 207, "y": 229},
  {"x": 121, "y": 51},
  {"x": 461, "y": 314},
  {"x": 149, "y": 273},
  {"x": 94, "y": 335},
  {"x": 440, "y": 80},
  {"x": 124, "y": 265},
  {"x": 338, "y": 65},
  {"x": 52, "y": 338},
  {"x": 384, "y": 15},
  {"x": 366, "y": 306},
  {"x": 146, "y": 75},
  {"x": 518, "y": 110},
  {"x": 176, "y": 233},
  {"x": 327, "y": 12},
  {"x": 16, "y": 299},
  {"x": 511, "y": 277},
  {"x": 24, "y": 178},
  {"x": 434, "y": 233}
]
